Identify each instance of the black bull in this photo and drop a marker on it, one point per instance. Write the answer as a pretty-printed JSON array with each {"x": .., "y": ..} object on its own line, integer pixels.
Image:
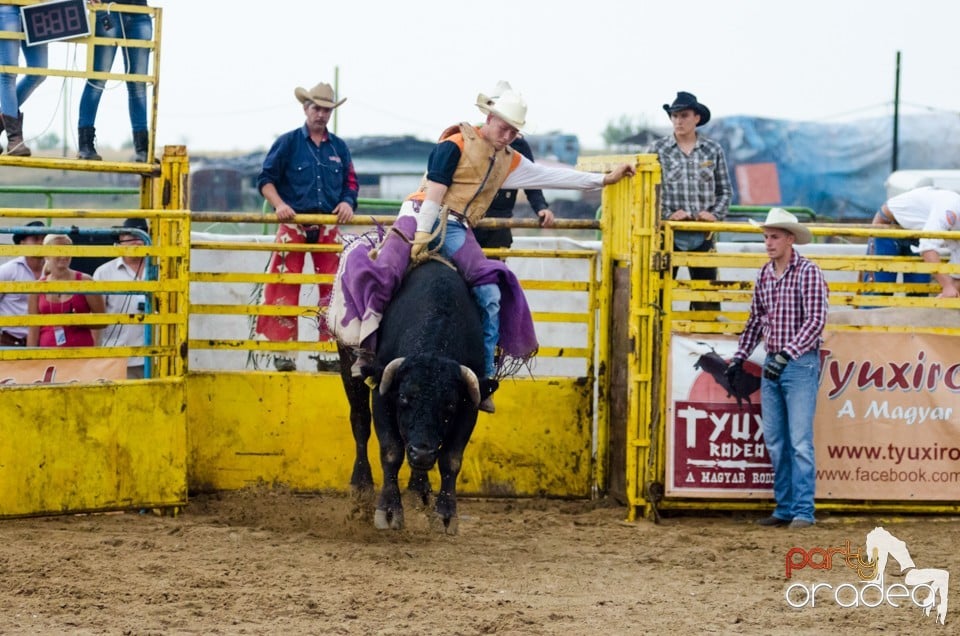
[
  {"x": 746, "y": 383},
  {"x": 428, "y": 361}
]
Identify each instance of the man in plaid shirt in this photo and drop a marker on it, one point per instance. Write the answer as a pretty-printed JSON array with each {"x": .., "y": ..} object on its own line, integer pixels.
[
  {"x": 695, "y": 185},
  {"x": 789, "y": 311}
]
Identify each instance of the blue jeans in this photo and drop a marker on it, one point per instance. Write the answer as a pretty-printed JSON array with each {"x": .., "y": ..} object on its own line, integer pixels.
[
  {"x": 788, "y": 405},
  {"x": 129, "y": 26},
  {"x": 12, "y": 93},
  {"x": 896, "y": 247},
  {"x": 487, "y": 296}
]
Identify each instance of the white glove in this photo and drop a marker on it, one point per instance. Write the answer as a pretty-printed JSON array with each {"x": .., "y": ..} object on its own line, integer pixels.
[{"x": 428, "y": 215}]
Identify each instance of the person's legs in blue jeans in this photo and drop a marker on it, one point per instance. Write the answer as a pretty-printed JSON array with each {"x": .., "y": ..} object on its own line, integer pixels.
[
  {"x": 788, "y": 405},
  {"x": 885, "y": 247},
  {"x": 906, "y": 248},
  {"x": 9, "y": 56},
  {"x": 800, "y": 383},
  {"x": 36, "y": 57},
  {"x": 103, "y": 56},
  {"x": 487, "y": 296},
  {"x": 775, "y": 437},
  {"x": 136, "y": 61}
]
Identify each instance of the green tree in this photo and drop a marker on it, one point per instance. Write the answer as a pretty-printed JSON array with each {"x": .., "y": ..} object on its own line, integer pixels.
[
  {"x": 48, "y": 141},
  {"x": 618, "y": 130}
]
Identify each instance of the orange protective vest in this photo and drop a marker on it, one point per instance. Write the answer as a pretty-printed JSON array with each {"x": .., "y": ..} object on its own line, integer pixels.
[{"x": 479, "y": 174}]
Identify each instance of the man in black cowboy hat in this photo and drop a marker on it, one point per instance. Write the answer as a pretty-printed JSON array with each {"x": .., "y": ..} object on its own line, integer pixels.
[
  {"x": 695, "y": 184},
  {"x": 19, "y": 269}
]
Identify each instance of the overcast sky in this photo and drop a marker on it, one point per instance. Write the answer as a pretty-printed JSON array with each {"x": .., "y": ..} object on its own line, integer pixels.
[{"x": 229, "y": 68}]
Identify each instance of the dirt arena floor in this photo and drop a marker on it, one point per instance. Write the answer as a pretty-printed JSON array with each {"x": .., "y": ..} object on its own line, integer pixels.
[{"x": 272, "y": 562}]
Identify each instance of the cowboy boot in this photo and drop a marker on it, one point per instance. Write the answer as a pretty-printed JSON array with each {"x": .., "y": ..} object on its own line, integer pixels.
[
  {"x": 141, "y": 139},
  {"x": 15, "y": 145},
  {"x": 85, "y": 148}
]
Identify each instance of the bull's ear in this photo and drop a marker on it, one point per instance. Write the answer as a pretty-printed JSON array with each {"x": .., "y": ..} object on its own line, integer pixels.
[{"x": 487, "y": 387}]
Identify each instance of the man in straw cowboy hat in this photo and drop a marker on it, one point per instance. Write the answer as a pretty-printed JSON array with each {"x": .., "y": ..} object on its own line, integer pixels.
[
  {"x": 307, "y": 171},
  {"x": 789, "y": 311},
  {"x": 502, "y": 205},
  {"x": 695, "y": 184},
  {"x": 464, "y": 172}
]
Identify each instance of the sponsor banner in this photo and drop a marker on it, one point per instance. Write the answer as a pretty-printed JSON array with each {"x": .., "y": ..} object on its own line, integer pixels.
[
  {"x": 714, "y": 438},
  {"x": 883, "y": 428},
  {"x": 887, "y": 417},
  {"x": 15, "y": 372}
]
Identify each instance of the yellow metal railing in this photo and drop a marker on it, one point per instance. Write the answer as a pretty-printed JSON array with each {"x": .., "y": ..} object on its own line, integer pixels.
[
  {"x": 857, "y": 293},
  {"x": 587, "y": 287},
  {"x": 167, "y": 316},
  {"x": 630, "y": 244}
]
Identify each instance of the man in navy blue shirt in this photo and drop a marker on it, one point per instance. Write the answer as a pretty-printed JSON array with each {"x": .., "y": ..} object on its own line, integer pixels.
[{"x": 307, "y": 171}]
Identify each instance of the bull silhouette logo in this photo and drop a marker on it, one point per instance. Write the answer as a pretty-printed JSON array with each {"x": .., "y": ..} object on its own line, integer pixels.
[{"x": 715, "y": 367}]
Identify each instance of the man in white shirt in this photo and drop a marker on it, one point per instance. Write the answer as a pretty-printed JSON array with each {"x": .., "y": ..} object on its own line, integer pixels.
[
  {"x": 19, "y": 269},
  {"x": 929, "y": 209},
  {"x": 125, "y": 268}
]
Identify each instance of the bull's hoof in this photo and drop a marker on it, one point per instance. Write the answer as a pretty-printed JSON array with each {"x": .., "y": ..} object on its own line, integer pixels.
[
  {"x": 444, "y": 525},
  {"x": 417, "y": 500},
  {"x": 384, "y": 520},
  {"x": 363, "y": 500},
  {"x": 451, "y": 526}
]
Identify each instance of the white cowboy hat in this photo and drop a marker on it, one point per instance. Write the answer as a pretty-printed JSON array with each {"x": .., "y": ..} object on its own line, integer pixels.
[
  {"x": 783, "y": 220},
  {"x": 505, "y": 103},
  {"x": 321, "y": 95}
]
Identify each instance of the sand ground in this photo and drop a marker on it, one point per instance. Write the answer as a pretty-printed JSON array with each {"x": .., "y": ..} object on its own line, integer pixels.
[{"x": 267, "y": 561}]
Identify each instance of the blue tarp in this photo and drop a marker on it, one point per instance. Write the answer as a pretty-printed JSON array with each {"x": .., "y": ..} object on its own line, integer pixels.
[{"x": 838, "y": 169}]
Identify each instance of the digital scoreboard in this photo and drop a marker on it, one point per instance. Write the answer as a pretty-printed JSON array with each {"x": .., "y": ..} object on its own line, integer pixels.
[{"x": 55, "y": 20}]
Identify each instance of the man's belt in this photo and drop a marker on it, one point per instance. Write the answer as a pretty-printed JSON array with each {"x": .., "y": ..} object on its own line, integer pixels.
[{"x": 7, "y": 339}]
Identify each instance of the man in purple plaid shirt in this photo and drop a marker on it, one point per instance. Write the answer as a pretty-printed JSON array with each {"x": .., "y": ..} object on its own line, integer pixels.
[{"x": 789, "y": 311}]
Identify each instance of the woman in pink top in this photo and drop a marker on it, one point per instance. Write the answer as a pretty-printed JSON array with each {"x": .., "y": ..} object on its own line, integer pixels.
[{"x": 58, "y": 268}]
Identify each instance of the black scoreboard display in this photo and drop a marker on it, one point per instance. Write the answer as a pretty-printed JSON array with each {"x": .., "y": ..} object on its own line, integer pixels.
[{"x": 56, "y": 20}]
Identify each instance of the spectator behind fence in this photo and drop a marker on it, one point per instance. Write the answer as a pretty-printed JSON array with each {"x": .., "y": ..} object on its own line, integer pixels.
[
  {"x": 19, "y": 269},
  {"x": 695, "y": 184},
  {"x": 308, "y": 170},
  {"x": 12, "y": 93},
  {"x": 502, "y": 205},
  {"x": 57, "y": 268},
  {"x": 126, "y": 269},
  {"x": 931, "y": 210},
  {"x": 136, "y": 61}
]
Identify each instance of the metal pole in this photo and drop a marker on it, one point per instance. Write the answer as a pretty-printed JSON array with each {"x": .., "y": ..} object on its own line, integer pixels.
[
  {"x": 64, "y": 100},
  {"x": 896, "y": 115},
  {"x": 336, "y": 93}
]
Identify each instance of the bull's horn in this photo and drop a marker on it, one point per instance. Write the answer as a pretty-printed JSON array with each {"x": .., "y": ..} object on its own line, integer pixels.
[
  {"x": 473, "y": 385},
  {"x": 388, "y": 372}
]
